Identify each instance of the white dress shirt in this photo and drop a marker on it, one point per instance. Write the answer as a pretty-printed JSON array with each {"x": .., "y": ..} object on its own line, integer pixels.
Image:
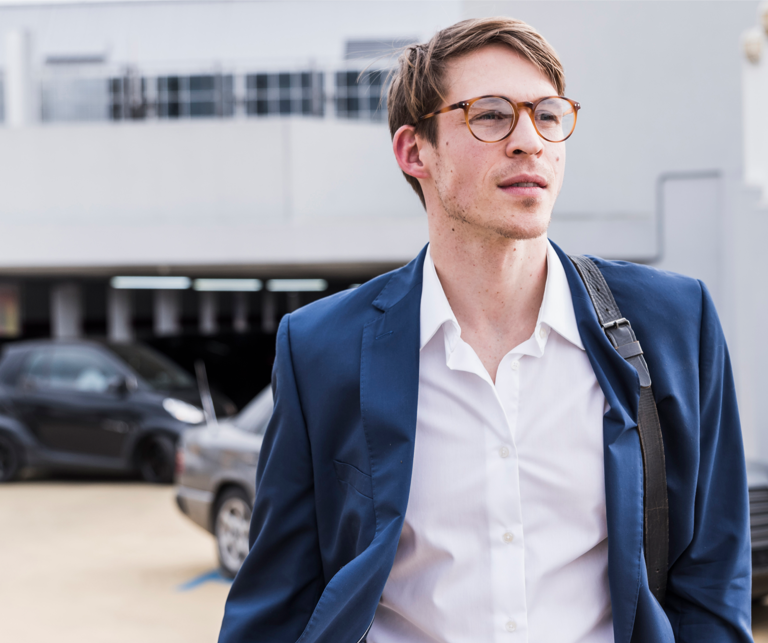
[{"x": 505, "y": 535}]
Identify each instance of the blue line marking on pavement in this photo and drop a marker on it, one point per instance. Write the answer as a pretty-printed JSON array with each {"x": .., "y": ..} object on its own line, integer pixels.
[{"x": 214, "y": 576}]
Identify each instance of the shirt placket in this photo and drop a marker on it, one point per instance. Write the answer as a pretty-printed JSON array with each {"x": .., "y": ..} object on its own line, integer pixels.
[{"x": 507, "y": 538}]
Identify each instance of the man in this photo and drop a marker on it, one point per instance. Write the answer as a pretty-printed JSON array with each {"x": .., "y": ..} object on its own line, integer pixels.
[{"x": 454, "y": 455}]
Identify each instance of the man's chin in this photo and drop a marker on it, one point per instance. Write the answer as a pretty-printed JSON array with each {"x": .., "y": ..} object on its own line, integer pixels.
[{"x": 524, "y": 231}]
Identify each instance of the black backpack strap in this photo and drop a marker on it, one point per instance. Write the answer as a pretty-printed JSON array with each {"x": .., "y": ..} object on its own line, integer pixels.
[{"x": 655, "y": 504}]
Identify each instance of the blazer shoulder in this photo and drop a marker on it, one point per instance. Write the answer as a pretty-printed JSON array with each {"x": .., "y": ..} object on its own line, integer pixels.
[
  {"x": 330, "y": 329},
  {"x": 661, "y": 288}
]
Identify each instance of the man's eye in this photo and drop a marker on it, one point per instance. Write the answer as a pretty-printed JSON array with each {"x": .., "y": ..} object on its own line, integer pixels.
[
  {"x": 547, "y": 117},
  {"x": 490, "y": 117}
]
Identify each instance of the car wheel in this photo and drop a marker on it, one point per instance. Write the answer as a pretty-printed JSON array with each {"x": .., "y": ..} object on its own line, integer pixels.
[
  {"x": 231, "y": 524},
  {"x": 10, "y": 459},
  {"x": 157, "y": 458}
]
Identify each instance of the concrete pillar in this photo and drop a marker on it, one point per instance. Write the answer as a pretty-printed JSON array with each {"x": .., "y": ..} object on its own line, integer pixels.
[
  {"x": 268, "y": 312},
  {"x": 119, "y": 315},
  {"x": 167, "y": 312},
  {"x": 22, "y": 106},
  {"x": 66, "y": 311},
  {"x": 754, "y": 102},
  {"x": 209, "y": 310},
  {"x": 240, "y": 312}
]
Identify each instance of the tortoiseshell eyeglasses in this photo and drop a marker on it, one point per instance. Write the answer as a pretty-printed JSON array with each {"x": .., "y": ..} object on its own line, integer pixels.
[{"x": 492, "y": 118}]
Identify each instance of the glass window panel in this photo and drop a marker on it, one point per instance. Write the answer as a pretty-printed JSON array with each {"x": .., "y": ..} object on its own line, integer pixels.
[
  {"x": 284, "y": 81},
  {"x": 262, "y": 107},
  {"x": 285, "y": 105},
  {"x": 306, "y": 106},
  {"x": 202, "y": 83},
  {"x": 81, "y": 370},
  {"x": 306, "y": 80},
  {"x": 202, "y": 108}
]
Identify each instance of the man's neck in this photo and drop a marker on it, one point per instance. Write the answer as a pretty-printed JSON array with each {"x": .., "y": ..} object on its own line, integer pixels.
[{"x": 495, "y": 288}]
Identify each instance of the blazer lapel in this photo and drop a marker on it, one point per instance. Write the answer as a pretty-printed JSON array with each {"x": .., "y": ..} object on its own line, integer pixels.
[
  {"x": 389, "y": 388},
  {"x": 623, "y": 457}
]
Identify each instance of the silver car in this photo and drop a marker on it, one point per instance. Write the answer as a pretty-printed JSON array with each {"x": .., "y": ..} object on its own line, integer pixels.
[{"x": 216, "y": 477}]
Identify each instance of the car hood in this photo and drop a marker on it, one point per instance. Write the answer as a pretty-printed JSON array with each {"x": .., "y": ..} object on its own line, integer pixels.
[
  {"x": 221, "y": 405},
  {"x": 224, "y": 435}
]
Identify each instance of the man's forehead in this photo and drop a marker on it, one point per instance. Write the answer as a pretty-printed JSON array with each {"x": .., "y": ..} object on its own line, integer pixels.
[{"x": 495, "y": 69}]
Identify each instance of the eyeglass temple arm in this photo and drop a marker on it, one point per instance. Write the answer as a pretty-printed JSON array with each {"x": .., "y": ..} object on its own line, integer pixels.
[{"x": 450, "y": 108}]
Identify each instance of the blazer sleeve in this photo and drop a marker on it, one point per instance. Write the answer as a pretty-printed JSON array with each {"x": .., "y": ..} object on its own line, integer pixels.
[
  {"x": 709, "y": 590},
  {"x": 280, "y": 582}
]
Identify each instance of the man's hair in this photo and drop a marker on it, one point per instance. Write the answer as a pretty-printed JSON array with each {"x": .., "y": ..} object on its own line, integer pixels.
[{"x": 417, "y": 85}]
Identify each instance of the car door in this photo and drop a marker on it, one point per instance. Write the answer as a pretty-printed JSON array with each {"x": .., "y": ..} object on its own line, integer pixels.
[{"x": 69, "y": 400}]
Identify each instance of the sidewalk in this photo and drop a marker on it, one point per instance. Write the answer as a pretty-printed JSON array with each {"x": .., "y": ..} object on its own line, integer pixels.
[{"x": 104, "y": 562}]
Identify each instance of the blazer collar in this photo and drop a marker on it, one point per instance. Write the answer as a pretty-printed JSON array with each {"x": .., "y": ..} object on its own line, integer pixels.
[{"x": 402, "y": 282}]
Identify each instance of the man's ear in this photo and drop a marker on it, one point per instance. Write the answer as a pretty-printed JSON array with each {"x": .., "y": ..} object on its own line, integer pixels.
[{"x": 407, "y": 148}]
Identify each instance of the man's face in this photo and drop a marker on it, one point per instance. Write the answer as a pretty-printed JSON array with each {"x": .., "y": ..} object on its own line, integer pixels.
[{"x": 476, "y": 183}]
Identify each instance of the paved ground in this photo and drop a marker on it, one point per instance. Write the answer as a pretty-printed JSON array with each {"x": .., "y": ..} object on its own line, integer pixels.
[
  {"x": 114, "y": 562},
  {"x": 104, "y": 562}
]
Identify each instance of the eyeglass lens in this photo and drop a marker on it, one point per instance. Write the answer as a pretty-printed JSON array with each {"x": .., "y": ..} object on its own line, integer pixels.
[{"x": 491, "y": 119}]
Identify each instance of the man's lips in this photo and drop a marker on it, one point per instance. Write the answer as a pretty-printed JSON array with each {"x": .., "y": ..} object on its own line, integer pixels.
[
  {"x": 528, "y": 185},
  {"x": 524, "y": 181}
]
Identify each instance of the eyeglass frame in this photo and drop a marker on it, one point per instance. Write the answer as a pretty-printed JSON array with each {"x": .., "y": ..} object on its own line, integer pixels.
[{"x": 516, "y": 107}]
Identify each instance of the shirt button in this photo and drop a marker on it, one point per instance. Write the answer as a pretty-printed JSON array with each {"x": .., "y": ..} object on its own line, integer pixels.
[
  {"x": 515, "y": 365},
  {"x": 504, "y": 452},
  {"x": 542, "y": 332},
  {"x": 508, "y": 537},
  {"x": 511, "y": 626}
]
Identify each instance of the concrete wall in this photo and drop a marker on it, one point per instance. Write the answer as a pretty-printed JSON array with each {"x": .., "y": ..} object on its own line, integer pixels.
[
  {"x": 655, "y": 168},
  {"x": 291, "y": 191}
]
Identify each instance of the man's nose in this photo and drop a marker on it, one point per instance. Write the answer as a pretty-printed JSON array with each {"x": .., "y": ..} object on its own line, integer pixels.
[{"x": 524, "y": 138}]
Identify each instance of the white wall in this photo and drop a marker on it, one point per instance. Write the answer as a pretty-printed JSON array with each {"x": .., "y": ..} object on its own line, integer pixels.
[
  {"x": 210, "y": 32},
  {"x": 255, "y": 192}
]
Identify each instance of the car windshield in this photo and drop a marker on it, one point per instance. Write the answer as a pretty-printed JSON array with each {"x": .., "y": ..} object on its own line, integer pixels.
[
  {"x": 255, "y": 416},
  {"x": 153, "y": 368}
]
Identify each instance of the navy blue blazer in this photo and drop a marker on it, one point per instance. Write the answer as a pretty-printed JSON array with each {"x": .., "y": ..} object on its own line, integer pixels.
[{"x": 335, "y": 467}]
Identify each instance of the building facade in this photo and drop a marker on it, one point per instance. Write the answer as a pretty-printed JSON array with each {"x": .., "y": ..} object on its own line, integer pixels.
[{"x": 236, "y": 156}]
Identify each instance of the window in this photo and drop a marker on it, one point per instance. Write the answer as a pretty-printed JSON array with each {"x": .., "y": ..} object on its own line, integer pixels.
[
  {"x": 157, "y": 371},
  {"x": 198, "y": 96},
  {"x": 362, "y": 94},
  {"x": 71, "y": 368},
  {"x": 255, "y": 416},
  {"x": 284, "y": 93},
  {"x": 72, "y": 99},
  {"x": 127, "y": 98}
]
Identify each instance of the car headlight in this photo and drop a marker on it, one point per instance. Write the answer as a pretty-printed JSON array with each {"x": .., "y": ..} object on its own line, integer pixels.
[{"x": 182, "y": 411}]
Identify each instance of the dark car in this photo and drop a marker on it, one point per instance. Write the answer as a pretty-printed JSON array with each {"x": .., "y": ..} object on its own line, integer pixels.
[{"x": 88, "y": 405}]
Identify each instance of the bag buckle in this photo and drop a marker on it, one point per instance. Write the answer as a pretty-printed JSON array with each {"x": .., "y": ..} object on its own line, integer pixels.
[{"x": 616, "y": 323}]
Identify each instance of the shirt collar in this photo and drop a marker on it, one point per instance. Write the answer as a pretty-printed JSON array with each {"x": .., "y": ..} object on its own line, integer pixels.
[
  {"x": 435, "y": 309},
  {"x": 557, "y": 306},
  {"x": 556, "y": 310}
]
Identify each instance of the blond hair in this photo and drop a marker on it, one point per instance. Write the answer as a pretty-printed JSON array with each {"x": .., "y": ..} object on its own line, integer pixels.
[{"x": 417, "y": 82}]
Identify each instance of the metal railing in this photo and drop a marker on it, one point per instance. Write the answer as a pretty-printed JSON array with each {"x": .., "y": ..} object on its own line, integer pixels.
[{"x": 130, "y": 94}]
